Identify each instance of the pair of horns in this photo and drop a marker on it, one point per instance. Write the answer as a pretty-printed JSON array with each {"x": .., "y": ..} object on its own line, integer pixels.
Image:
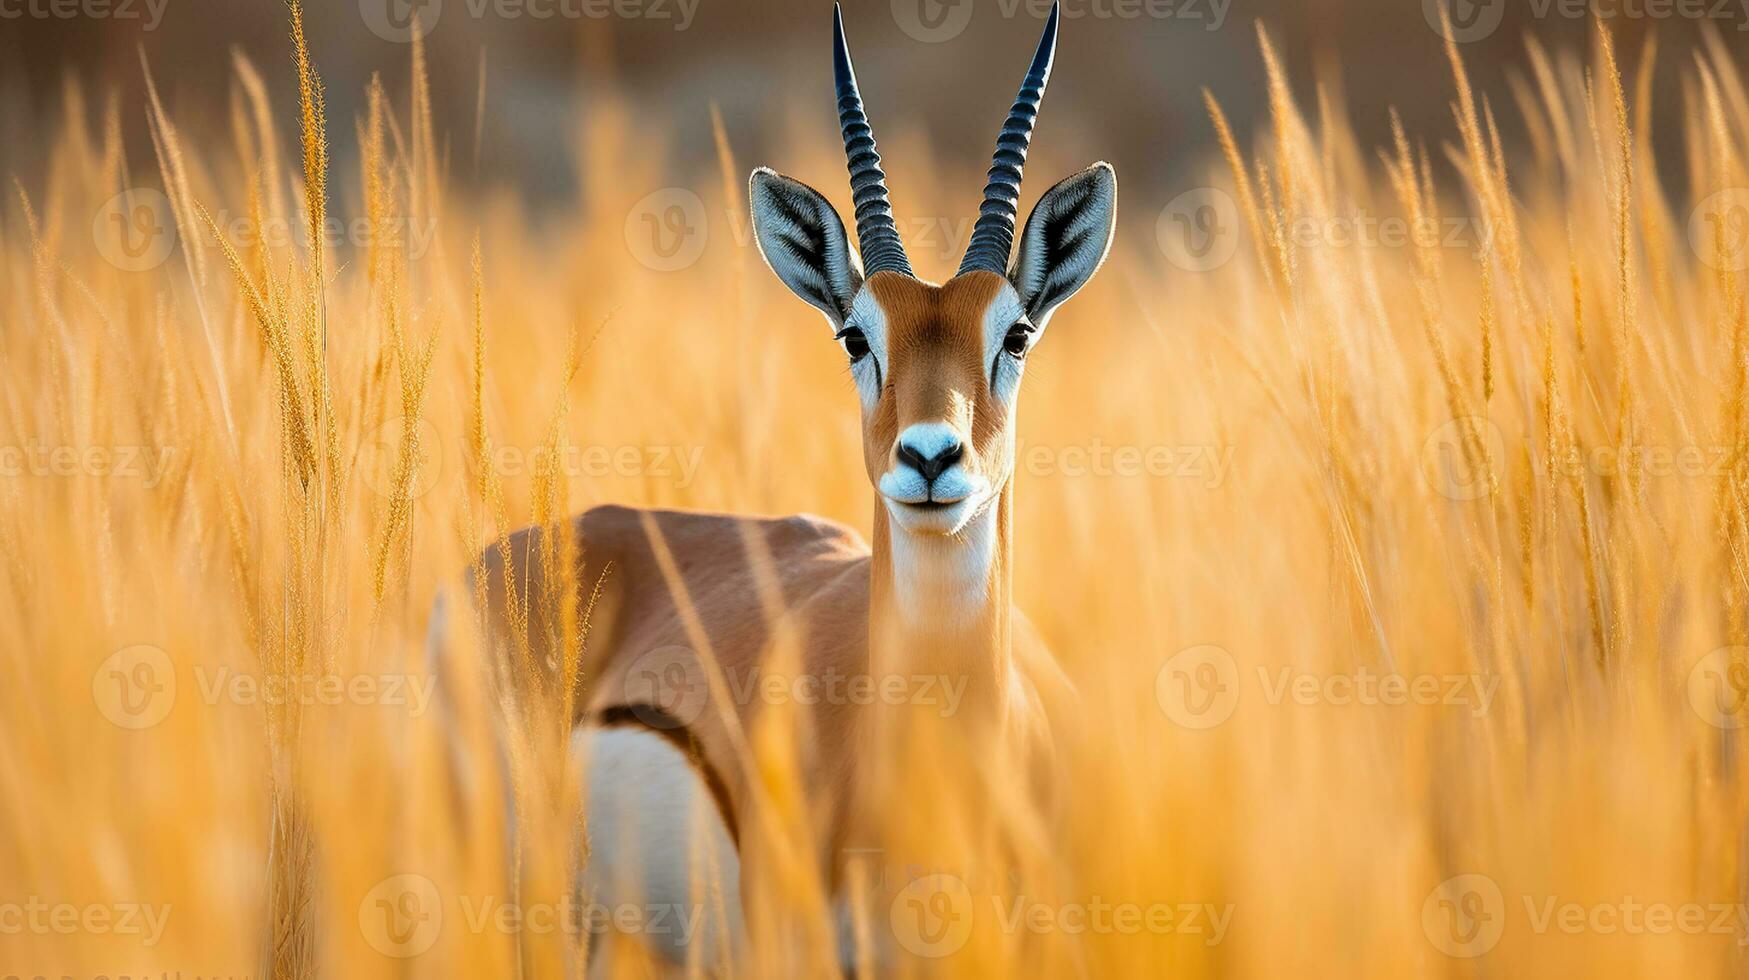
[{"x": 993, "y": 234}]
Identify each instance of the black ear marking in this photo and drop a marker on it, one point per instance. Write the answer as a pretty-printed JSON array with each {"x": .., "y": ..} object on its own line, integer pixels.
[
  {"x": 1066, "y": 239},
  {"x": 802, "y": 236},
  {"x": 803, "y": 240}
]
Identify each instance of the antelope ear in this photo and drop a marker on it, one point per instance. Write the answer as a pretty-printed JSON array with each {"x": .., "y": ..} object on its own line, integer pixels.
[
  {"x": 802, "y": 239},
  {"x": 1065, "y": 241}
]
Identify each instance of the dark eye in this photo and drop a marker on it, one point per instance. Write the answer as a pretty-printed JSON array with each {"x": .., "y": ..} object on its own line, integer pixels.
[
  {"x": 855, "y": 344},
  {"x": 1018, "y": 339}
]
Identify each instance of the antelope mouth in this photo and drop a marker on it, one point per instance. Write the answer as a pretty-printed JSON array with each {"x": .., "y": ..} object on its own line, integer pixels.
[{"x": 931, "y": 516}]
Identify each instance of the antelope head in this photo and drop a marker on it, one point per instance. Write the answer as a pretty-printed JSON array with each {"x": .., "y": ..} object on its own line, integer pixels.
[{"x": 937, "y": 367}]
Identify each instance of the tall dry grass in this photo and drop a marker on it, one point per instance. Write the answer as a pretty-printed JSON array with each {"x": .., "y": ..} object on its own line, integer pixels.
[{"x": 328, "y": 424}]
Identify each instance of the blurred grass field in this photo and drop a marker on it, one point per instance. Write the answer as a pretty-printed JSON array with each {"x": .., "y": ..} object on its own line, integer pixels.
[{"x": 1502, "y": 461}]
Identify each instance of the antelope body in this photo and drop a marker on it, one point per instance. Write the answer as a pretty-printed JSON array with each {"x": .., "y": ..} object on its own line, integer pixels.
[{"x": 692, "y": 601}]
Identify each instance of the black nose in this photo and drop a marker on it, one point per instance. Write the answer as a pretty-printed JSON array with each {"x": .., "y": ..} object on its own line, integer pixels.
[{"x": 935, "y": 465}]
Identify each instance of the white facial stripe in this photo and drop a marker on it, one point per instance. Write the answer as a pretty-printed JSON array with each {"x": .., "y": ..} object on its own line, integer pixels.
[
  {"x": 1004, "y": 311},
  {"x": 867, "y": 316}
]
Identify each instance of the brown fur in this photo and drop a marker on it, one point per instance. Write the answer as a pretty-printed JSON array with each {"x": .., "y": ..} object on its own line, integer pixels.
[{"x": 713, "y": 591}]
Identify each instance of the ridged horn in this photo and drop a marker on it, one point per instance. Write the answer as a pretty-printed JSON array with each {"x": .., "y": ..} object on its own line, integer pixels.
[
  {"x": 993, "y": 235},
  {"x": 876, "y": 231}
]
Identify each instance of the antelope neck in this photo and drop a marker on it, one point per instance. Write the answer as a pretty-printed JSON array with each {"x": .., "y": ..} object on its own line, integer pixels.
[{"x": 940, "y": 604}]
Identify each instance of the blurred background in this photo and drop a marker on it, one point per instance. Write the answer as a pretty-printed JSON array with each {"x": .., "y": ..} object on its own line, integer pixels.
[
  {"x": 1440, "y": 457},
  {"x": 1127, "y": 88}
]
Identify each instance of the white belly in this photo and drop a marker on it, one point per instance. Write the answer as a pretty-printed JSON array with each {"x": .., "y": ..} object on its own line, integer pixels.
[{"x": 660, "y": 857}]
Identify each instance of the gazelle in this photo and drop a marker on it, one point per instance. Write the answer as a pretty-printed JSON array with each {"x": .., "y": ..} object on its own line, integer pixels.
[{"x": 695, "y": 598}]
